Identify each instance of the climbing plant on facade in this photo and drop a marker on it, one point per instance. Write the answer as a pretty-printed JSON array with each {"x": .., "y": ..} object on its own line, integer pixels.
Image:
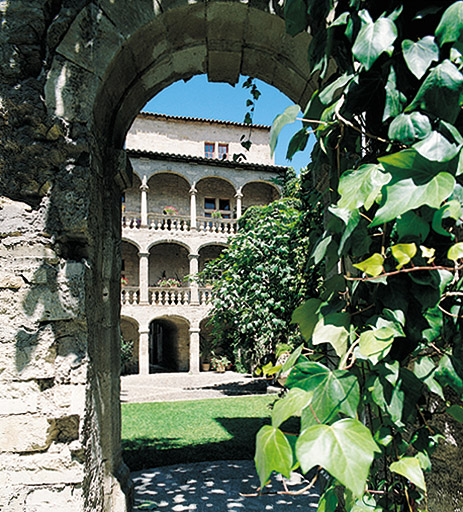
[
  {"x": 258, "y": 281},
  {"x": 383, "y": 341}
]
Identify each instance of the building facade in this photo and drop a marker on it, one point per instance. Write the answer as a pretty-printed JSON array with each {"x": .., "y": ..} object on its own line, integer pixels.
[{"x": 190, "y": 186}]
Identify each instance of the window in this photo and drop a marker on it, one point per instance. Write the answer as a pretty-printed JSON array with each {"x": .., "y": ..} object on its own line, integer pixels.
[
  {"x": 218, "y": 208},
  {"x": 223, "y": 151},
  {"x": 209, "y": 149}
]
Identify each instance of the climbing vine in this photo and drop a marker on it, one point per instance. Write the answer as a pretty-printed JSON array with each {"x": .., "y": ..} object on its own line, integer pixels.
[{"x": 383, "y": 349}]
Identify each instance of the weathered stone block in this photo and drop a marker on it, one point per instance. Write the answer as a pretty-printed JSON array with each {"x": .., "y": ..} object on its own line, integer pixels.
[
  {"x": 44, "y": 500},
  {"x": 24, "y": 433}
]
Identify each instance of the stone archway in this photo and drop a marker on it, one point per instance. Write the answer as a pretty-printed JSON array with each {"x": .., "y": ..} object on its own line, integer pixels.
[{"x": 74, "y": 90}]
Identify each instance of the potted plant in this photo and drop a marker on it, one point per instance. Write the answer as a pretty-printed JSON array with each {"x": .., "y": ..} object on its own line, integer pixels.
[
  {"x": 215, "y": 214},
  {"x": 124, "y": 281},
  {"x": 206, "y": 352},
  {"x": 170, "y": 210},
  {"x": 220, "y": 363},
  {"x": 168, "y": 282}
]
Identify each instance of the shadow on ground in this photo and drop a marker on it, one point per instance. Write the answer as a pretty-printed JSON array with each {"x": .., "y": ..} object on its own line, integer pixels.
[{"x": 217, "y": 486}]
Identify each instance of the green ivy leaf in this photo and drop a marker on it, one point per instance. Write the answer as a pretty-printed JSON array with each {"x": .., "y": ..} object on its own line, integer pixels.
[
  {"x": 345, "y": 449},
  {"x": 273, "y": 453},
  {"x": 375, "y": 344},
  {"x": 408, "y": 128},
  {"x": 290, "y": 405},
  {"x": 394, "y": 98},
  {"x": 297, "y": 143},
  {"x": 450, "y": 28},
  {"x": 437, "y": 148},
  {"x": 425, "y": 369},
  {"x": 452, "y": 210},
  {"x": 360, "y": 187},
  {"x": 332, "y": 329},
  {"x": 409, "y": 225},
  {"x": 296, "y": 17},
  {"x": 440, "y": 93},
  {"x": 373, "y": 266},
  {"x": 455, "y": 252},
  {"x": 334, "y": 391},
  {"x": 406, "y": 195},
  {"x": 419, "y": 56},
  {"x": 332, "y": 91},
  {"x": 448, "y": 375},
  {"x": 374, "y": 39},
  {"x": 410, "y": 468},
  {"x": 306, "y": 316},
  {"x": 280, "y": 121},
  {"x": 403, "y": 253},
  {"x": 456, "y": 411}
]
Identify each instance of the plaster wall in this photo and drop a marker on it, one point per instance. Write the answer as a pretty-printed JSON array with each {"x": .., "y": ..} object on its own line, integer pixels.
[{"x": 187, "y": 137}]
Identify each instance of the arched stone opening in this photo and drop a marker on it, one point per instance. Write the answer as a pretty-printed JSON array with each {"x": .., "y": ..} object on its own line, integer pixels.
[
  {"x": 130, "y": 265},
  {"x": 215, "y": 197},
  {"x": 162, "y": 188},
  {"x": 131, "y": 201},
  {"x": 130, "y": 334},
  {"x": 169, "y": 344},
  {"x": 258, "y": 194},
  {"x": 208, "y": 253},
  {"x": 168, "y": 261},
  {"x": 105, "y": 65}
]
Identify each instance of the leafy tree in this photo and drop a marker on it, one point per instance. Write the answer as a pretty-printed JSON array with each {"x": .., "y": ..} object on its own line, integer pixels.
[
  {"x": 383, "y": 350},
  {"x": 126, "y": 355},
  {"x": 259, "y": 280}
]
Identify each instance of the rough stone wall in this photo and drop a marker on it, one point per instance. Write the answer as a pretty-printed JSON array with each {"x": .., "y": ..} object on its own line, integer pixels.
[
  {"x": 258, "y": 194},
  {"x": 132, "y": 196},
  {"x": 214, "y": 188},
  {"x": 52, "y": 209}
]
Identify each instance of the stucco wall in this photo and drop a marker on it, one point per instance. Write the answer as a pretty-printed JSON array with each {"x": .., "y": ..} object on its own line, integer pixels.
[{"x": 187, "y": 137}]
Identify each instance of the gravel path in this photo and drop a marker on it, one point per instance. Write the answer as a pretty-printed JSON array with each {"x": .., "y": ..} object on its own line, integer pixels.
[{"x": 163, "y": 387}]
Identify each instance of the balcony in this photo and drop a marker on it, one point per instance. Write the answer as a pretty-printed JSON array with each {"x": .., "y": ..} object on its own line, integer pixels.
[
  {"x": 161, "y": 296},
  {"x": 179, "y": 223}
]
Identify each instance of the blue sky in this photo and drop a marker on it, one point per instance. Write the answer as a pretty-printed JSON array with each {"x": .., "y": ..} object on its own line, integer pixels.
[{"x": 200, "y": 98}]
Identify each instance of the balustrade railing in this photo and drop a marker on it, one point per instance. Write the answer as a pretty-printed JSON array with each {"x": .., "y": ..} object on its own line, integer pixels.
[
  {"x": 130, "y": 295},
  {"x": 168, "y": 296},
  {"x": 212, "y": 225},
  {"x": 161, "y": 222},
  {"x": 158, "y": 221},
  {"x": 131, "y": 220},
  {"x": 205, "y": 295}
]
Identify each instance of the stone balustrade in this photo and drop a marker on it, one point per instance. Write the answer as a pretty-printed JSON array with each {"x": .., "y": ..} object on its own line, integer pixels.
[
  {"x": 131, "y": 220},
  {"x": 161, "y": 296},
  {"x": 158, "y": 221},
  {"x": 130, "y": 295},
  {"x": 212, "y": 225},
  {"x": 205, "y": 294}
]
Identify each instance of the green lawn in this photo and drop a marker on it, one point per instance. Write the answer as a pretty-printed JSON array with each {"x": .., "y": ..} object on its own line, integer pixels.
[{"x": 161, "y": 433}]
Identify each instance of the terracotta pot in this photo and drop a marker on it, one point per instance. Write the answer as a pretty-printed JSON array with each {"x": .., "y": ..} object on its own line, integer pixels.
[{"x": 205, "y": 367}]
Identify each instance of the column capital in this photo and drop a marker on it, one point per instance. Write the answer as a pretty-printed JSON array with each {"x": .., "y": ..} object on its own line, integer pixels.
[
  {"x": 193, "y": 190},
  {"x": 193, "y": 256},
  {"x": 195, "y": 330},
  {"x": 142, "y": 254},
  {"x": 239, "y": 194},
  {"x": 144, "y": 184}
]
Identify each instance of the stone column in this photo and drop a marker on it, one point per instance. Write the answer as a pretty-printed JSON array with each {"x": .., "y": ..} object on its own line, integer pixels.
[
  {"x": 193, "y": 192},
  {"x": 143, "y": 276},
  {"x": 144, "y": 203},
  {"x": 239, "y": 197},
  {"x": 194, "y": 349},
  {"x": 144, "y": 352},
  {"x": 194, "y": 267}
]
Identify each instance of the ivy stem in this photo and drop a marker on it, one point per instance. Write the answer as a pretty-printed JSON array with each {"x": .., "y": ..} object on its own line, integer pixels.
[{"x": 396, "y": 272}]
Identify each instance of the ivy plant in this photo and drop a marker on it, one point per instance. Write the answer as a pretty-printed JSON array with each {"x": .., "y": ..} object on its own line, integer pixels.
[{"x": 383, "y": 341}]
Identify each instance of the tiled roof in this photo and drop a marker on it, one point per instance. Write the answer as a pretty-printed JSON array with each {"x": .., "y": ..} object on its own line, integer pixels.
[
  {"x": 201, "y": 120},
  {"x": 134, "y": 153}
]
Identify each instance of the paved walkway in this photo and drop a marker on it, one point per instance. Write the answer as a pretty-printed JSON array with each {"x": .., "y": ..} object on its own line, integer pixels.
[
  {"x": 208, "y": 486},
  {"x": 162, "y": 387}
]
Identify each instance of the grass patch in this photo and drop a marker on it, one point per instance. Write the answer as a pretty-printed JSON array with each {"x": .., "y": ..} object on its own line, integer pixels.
[{"x": 162, "y": 433}]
